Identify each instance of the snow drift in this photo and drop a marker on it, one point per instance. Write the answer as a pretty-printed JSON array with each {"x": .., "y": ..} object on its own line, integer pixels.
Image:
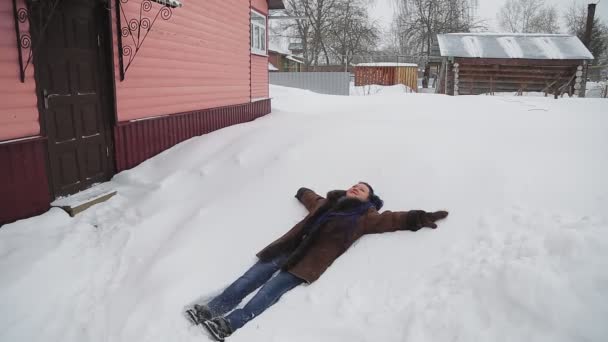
[{"x": 522, "y": 257}]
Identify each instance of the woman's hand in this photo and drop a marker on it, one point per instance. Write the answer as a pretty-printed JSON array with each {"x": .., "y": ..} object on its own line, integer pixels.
[
  {"x": 429, "y": 219},
  {"x": 417, "y": 219}
]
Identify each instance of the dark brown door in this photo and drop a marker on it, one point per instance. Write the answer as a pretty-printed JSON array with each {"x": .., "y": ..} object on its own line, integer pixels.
[{"x": 69, "y": 67}]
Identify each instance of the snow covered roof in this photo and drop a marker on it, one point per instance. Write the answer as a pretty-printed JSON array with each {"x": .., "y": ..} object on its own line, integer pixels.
[
  {"x": 295, "y": 46},
  {"x": 512, "y": 45},
  {"x": 384, "y": 64},
  {"x": 292, "y": 58},
  {"x": 272, "y": 67},
  {"x": 278, "y": 44}
]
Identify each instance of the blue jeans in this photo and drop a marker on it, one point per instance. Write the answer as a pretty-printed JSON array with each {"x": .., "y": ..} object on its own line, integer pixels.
[{"x": 259, "y": 274}]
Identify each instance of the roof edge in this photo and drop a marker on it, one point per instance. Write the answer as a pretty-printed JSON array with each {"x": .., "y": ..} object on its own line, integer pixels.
[{"x": 276, "y": 5}]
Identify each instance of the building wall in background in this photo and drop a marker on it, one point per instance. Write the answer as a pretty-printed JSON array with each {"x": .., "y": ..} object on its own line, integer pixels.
[
  {"x": 197, "y": 59},
  {"x": 18, "y": 102}
]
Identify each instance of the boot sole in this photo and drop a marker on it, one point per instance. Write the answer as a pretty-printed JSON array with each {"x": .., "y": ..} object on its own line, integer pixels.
[
  {"x": 191, "y": 316},
  {"x": 211, "y": 332}
]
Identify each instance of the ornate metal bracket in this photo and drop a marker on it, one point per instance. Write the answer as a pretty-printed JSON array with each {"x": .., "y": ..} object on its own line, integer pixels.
[
  {"x": 24, "y": 27},
  {"x": 137, "y": 29}
]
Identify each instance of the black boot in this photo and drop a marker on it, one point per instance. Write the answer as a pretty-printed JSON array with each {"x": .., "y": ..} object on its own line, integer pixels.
[
  {"x": 202, "y": 313},
  {"x": 199, "y": 313},
  {"x": 218, "y": 327}
]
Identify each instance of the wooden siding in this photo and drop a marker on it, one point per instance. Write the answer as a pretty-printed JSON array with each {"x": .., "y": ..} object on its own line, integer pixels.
[
  {"x": 374, "y": 75},
  {"x": 407, "y": 76},
  {"x": 387, "y": 76},
  {"x": 259, "y": 64},
  {"x": 259, "y": 77},
  {"x": 18, "y": 102},
  {"x": 197, "y": 59},
  {"x": 139, "y": 140}
]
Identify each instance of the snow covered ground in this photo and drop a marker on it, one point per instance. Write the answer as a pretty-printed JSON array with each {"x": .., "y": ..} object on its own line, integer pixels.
[
  {"x": 522, "y": 257},
  {"x": 375, "y": 89},
  {"x": 596, "y": 89}
]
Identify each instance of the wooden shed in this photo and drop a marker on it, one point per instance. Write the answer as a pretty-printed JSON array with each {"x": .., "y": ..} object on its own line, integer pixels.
[
  {"x": 387, "y": 74},
  {"x": 91, "y": 88},
  {"x": 486, "y": 63},
  {"x": 283, "y": 62}
]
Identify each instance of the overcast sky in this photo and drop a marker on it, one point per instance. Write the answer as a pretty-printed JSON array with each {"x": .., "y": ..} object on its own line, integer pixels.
[{"x": 383, "y": 10}]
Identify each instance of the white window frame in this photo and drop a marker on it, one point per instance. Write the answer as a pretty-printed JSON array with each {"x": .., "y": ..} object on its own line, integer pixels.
[{"x": 258, "y": 47}]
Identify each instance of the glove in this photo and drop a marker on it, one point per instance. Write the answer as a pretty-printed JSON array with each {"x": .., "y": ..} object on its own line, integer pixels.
[
  {"x": 429, "y": 219},
  {"x": 420, "y": 219},
  {"x": 301, "y": 192}
]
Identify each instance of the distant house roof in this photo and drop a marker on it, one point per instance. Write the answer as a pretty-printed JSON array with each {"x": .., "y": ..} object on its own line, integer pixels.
[
  {"x": 292, "y": 58},
  {"x": 511, "y": 45},
  {"x": 295, "y": 46},
  {"x": 276, "y": 4},
  {"x": 278, "y": 39},
  {"x": 278, "y": 44},
  {"x": 277, "y": 52},
  {"x": 287, "y": 55},
  {"x": 383, "y": 64}
]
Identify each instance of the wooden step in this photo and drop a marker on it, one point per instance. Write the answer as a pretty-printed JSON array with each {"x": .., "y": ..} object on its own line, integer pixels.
[{"x": 83, "y": 200}]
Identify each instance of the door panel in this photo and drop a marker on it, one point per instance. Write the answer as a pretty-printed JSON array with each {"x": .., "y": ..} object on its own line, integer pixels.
[
  {"x": 77, "y": 122},
  {"x": 90, "y": 125},
  {"x": 69, "y": 174},
  {"x": 63, "y": 124},
  {"x": 86, "y": 77}
]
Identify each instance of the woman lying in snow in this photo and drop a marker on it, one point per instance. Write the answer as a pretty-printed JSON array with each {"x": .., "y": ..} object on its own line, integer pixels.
[{"x": 305, "y": 252}]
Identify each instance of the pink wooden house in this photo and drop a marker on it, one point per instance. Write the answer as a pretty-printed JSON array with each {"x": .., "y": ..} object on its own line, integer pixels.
[{"x": 89, "y": 88}]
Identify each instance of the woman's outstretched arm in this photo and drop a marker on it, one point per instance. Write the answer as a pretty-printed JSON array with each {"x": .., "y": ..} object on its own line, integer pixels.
[{"x": 391, "y": 221}]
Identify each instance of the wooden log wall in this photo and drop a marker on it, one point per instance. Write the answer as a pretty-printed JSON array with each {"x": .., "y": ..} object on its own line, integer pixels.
[{"x": 486, "y": 76}]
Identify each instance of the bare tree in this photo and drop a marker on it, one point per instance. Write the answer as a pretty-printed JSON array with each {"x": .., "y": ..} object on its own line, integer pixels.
[
  {"x": 417, "y": 22},
  {"x": 310, "y": 32},
  {"x": 353, "y": 32},
  {"x": 333, "y": 29},
  {"x": 546, "y": 21},
  {"x": 528, "y": 16},
  {"x": 300, "y": 30},
  {"x": 321, "y": 13}
]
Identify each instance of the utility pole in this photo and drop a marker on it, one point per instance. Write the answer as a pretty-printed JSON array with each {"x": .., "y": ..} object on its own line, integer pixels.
[{"x": 587, "y": 42}]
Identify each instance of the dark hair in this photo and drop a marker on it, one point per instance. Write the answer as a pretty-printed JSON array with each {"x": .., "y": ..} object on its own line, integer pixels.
[{"x": 373, "y": 198}]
